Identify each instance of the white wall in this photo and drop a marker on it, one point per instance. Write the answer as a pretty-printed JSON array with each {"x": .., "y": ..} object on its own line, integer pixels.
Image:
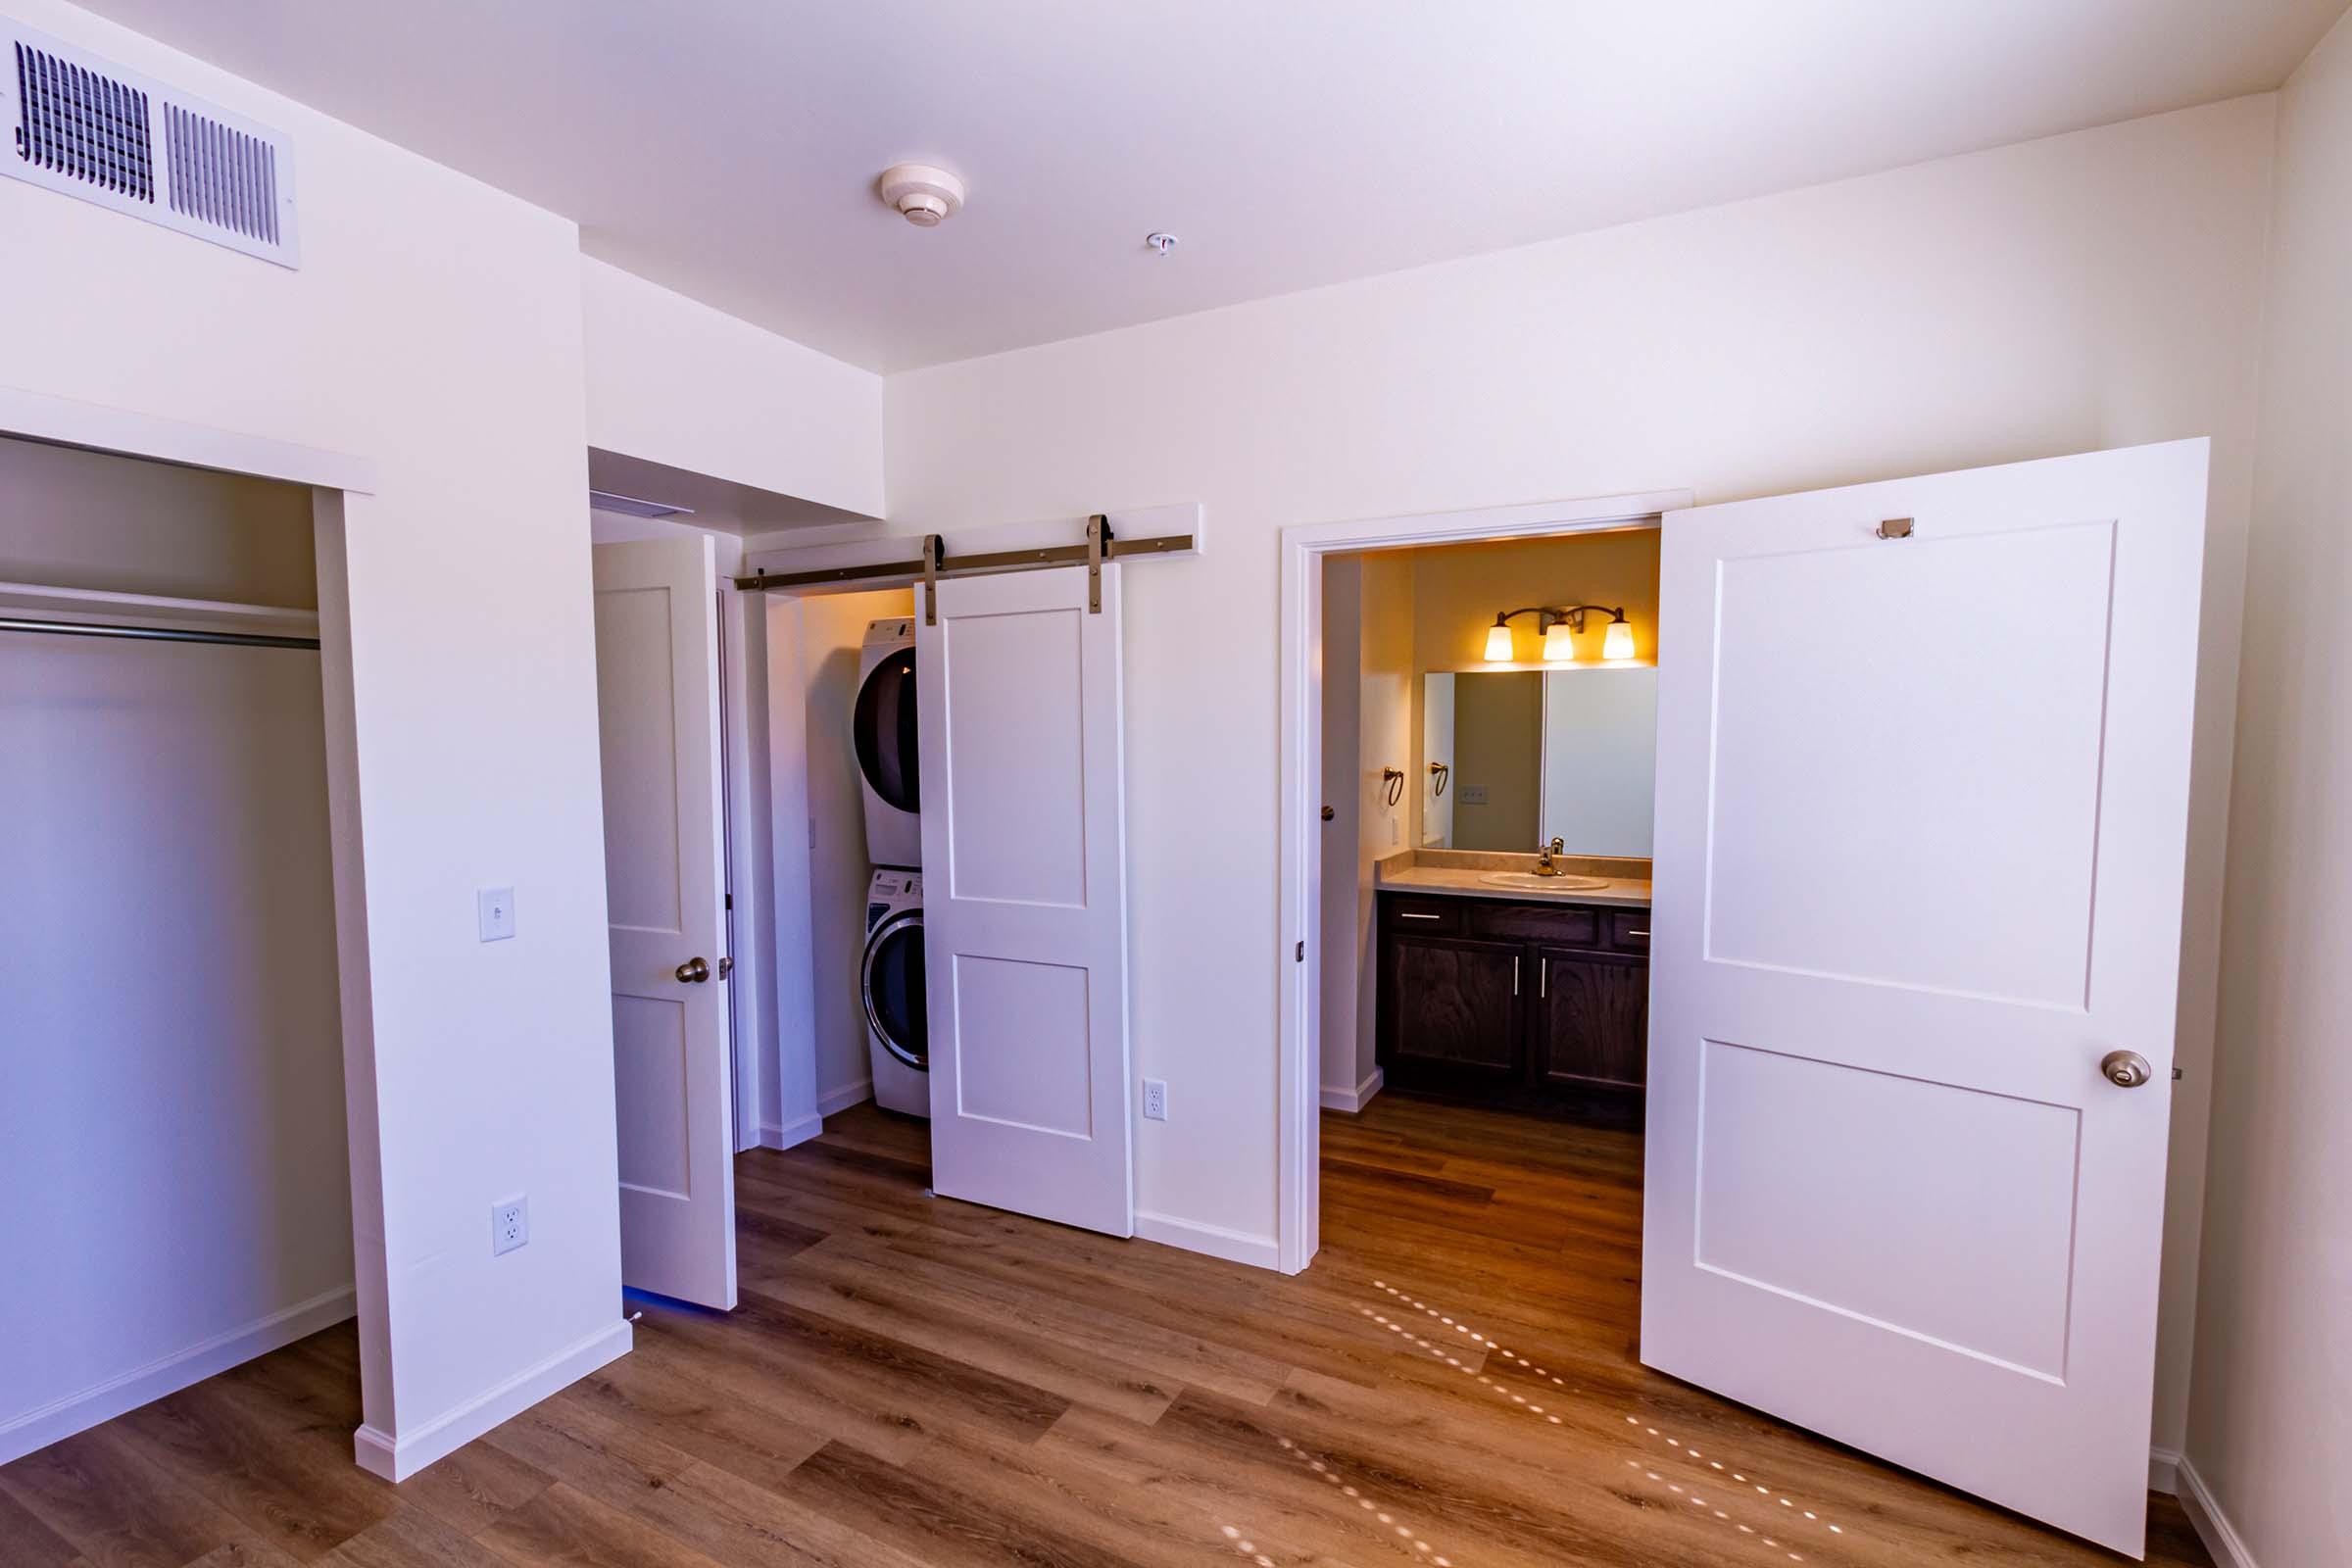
[
  {"x": 434, "y": 328},
  {"x": 674, "y": 381},
  {"x": 2270, "y": 1427},
  {"x": 832, "y": 629},
  {"x": 2092, "y": 290},
  {"x": 172, "y": 1078}
]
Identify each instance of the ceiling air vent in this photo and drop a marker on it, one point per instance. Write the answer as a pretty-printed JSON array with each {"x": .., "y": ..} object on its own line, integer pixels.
[{"x": 89, "y": 128}]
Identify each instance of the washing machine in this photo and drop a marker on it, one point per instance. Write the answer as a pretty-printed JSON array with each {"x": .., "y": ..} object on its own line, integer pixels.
[
  {"x": 890, "y": 982},
  {"x": 883, "y": 735}
]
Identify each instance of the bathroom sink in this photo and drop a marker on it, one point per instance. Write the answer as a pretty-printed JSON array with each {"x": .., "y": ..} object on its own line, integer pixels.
[{"x": 1544, "y": 884}]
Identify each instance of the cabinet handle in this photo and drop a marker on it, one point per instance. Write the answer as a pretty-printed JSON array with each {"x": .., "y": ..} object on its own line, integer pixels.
[
  {"x": 1644, "y": 932},
  {"x": 1408, "y": 915},
  {"x": 1514, "y": 974},
  {"x": 1542, "y": 979}
]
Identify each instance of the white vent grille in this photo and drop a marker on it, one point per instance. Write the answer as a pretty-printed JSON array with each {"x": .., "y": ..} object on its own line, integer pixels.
[{"x": 91, "y": 129}]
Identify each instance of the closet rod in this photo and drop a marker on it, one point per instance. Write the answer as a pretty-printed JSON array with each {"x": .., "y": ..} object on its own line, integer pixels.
[{"x": 153, "y": 634}]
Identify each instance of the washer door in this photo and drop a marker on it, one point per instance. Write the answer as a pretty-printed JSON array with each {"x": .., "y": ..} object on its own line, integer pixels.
[
  {"x": 891, "y": 981},
  {"x": 882, "y": 731}
]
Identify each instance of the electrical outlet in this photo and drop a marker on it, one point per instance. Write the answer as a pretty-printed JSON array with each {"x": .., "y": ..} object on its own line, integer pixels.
[
  {"x": 509, "y": 1225},
  {"x": 494, "y": 911},
  {"x": 1155, "y": 1099}
]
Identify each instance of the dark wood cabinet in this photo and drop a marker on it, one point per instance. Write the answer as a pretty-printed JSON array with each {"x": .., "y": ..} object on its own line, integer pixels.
[
  {"x": 1458, "y": 1007},
  {"x": 1592, "y": 1023},
  {"x": 1538, "y": 1005}
]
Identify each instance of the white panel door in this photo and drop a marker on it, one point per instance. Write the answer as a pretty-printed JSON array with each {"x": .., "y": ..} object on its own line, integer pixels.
[
  {"x": 656, "y": 684},
  {"x": 1921, "y": 806},
  {"x": 1025, "y": 896}
]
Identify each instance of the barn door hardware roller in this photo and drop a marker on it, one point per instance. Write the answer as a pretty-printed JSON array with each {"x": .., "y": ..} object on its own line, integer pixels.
[
  {"x": 934, "y": 564},
  {"x": 1098, "y": 540}
]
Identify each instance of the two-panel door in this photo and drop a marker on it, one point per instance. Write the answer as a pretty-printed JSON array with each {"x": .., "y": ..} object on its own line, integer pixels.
[
  {"x": 665, "y": 893},
  {"x": 1921, "y": 806},
  {"x": 1025, "y": 894}
]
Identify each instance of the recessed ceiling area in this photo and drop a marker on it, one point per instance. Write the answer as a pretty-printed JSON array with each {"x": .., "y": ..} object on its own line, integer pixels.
[
  {"x": 729, "y": 149},
  {"x": 705, "y": 502}
]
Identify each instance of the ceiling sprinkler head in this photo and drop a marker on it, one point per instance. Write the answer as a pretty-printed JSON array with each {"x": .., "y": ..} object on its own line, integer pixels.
[
  {"x": 923, "y": 194},
  {"x": 1160, "y": 243}
]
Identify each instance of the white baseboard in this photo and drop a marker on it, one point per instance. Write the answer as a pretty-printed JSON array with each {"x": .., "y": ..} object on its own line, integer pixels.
[
  {"x": 794, "y": 1133},
  {"x": 1235, "y": 1246},
  {"x": 379, "y": 1453},
  {"x": 835, "y": 1100},
  {"x": 1353, "y": 1101},
  {"x": 2164, "y": 1471},
  {"x": 2214, "y": 1528},
  {"x": 78, "y": 1412}
]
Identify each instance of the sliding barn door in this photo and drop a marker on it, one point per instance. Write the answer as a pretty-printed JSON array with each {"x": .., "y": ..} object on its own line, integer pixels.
[
  {"x": 1025, "y": 896},
  {"x": 1923, "y": 794},
  {"x": 658, "y": 708}
]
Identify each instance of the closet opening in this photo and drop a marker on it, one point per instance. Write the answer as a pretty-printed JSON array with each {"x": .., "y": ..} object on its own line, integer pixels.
[{"x": 173, "y": 1091}]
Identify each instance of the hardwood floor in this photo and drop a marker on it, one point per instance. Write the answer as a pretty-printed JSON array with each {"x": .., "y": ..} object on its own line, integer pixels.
[{"x": 913, "y": 1381}]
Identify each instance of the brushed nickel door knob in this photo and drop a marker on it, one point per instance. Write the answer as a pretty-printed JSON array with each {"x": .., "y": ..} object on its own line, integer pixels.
[
  {"x": 2126, "y": 1069},
  {"x": 693, "y": 971}
]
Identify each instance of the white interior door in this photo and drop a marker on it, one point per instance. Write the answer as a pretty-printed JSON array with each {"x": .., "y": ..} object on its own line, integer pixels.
[
  {"x": 656, "y": 682},
  {"x": 1025, "y": 896},
  {"x": 1921, "y": 811}
]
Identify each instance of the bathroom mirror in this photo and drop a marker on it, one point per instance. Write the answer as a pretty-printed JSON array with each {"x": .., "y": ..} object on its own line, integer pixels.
[{"x": 1517, "y": 757}]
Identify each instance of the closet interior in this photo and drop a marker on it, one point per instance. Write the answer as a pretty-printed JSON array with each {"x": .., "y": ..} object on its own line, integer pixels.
[{"x": 171, "y": 1056}]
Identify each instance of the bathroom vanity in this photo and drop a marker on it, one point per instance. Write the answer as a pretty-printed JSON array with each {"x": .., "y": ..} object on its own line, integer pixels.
[{"x": 1493, "y": 987}]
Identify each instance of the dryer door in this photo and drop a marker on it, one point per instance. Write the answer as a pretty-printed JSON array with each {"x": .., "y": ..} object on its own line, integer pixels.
[
  {"x": 891, "y": 981},
  {"x": 883, "y": 731}
]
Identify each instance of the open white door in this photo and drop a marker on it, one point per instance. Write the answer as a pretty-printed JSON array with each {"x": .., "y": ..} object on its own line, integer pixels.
[
  {"x": 1922, "y": 807},
  {"x": 1025, "y": 896},
  {"x": 656, "y": 683}
]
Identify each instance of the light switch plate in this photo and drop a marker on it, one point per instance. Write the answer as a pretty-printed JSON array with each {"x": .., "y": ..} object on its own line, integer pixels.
[
  {"x": 495, "y": 907},
  {"x": 1474, "y": 795}
]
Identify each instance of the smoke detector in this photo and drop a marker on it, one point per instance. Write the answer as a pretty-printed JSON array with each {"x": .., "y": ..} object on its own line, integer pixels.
[{"x": 924, "y": 195}]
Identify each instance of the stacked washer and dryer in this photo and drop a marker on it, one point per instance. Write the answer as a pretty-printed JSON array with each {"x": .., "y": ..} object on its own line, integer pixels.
[{"x": 890, "y": 975}]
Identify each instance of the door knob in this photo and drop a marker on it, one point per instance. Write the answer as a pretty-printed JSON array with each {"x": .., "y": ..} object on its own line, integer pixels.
[
  {"x": 2126, "y": 1069},
  {"x": 693, "y": 971}
]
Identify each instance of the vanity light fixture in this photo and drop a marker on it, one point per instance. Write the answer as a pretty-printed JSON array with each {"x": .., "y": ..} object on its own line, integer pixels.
[{"x": 1560, "y": 627}]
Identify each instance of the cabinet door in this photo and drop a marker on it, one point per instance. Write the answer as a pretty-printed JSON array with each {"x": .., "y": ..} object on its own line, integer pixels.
[
  {"x": 1454, "y": 1010},
  {"x": 1591, "y": 1019}
]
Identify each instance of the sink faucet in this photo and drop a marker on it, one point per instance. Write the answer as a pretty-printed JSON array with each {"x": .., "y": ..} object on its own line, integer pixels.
[{"x": 1545, "y": 865}]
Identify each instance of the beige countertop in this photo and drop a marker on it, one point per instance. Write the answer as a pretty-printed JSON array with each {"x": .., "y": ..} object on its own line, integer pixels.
[{"x": 1456, "y": 873}]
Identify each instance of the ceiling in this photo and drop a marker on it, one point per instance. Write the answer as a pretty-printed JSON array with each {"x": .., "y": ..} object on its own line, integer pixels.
[{"x": 727, "y": 148}]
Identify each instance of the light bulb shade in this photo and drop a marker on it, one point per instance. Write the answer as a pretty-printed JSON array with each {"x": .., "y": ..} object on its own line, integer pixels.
[
  {"x": 1618, "y": 641},
  {"x": 1499, "y": 644},
  {"x": 1559, "y": 644}
]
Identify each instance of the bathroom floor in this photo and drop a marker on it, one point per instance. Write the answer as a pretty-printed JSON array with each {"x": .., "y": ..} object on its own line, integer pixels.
[{"x": 916, "y": 1381}]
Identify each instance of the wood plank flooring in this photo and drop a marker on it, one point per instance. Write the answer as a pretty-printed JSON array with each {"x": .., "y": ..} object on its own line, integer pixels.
[{"x": 911, "y": 1380}]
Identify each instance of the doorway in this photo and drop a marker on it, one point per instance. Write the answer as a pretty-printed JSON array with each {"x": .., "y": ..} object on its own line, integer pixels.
[{"x": 1887, "y": 1086}]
